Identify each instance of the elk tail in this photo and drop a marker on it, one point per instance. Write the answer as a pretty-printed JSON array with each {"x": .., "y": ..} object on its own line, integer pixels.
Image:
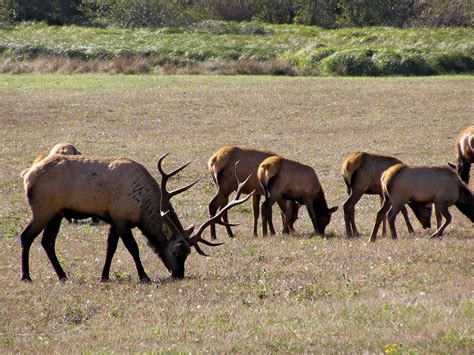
[
  {"x": 350, "y": 167},
  {"x": 216, "y": 163}
]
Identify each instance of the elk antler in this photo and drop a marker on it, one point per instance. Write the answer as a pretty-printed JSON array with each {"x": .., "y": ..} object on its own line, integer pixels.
[
  {"x": 166, "y": 195},
  {"x": 196, "y": 236}
]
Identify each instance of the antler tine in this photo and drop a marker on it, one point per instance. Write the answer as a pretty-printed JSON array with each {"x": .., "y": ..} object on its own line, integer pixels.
[
  {"x": 215, "y": 219},
  {"x": 240, "y": 185},
  {"x": 196, "y": 237},
  {"x": 198, "y": 249},
  {"x": 166, "y": 195},
  {"x": 160, "y": 160},
  {"x": 184, "y": 188}
]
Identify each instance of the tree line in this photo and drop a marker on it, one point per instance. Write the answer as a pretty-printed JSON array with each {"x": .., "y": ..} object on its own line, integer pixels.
[{"x": 161, "y": 13}]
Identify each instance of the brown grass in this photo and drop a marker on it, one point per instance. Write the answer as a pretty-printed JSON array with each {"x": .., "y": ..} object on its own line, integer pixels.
[
  {"x": 298, "y": 293},
  {"x": 142, "y": 65}
]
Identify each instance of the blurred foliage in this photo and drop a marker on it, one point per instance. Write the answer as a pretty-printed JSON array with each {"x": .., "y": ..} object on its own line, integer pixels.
[{"x": 323, "y": 13}]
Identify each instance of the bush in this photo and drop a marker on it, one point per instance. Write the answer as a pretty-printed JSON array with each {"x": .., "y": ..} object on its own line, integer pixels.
[
  {"x": 402, "y": 63},
  {"x": 148, "y": 13},
  {"x": 451, "y": 62},
  {"x": 56, "y": 12},
  {"x": 350, "y": 62}
]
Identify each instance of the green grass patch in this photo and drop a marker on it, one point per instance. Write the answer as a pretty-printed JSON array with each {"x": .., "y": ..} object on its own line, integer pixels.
[{"x": 309, "y": 50}]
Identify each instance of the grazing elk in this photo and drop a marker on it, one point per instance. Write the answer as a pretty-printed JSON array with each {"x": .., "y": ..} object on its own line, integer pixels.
[
  {"x": 221, "y": 167},
  {"x": 120, "y": 192},
  {"x": 439, "y": 184},
  {"x": 361, "y": 172},
  {"x": 465, "y": 153},
  {"x": 60, "y": 148},
  {"x": 290, "y": 180}
]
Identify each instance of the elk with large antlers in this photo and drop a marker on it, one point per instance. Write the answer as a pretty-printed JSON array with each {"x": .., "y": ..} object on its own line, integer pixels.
[
  {"x": 361, "y": 172},
  {"x": 221, "y": 167},
  {"x": 120, "y": 192}
]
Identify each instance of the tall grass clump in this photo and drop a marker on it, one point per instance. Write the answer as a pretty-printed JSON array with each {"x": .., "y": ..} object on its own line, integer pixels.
[
  {"x": 404, "y": 63},
  {"x": 217, "y": 27},
  {"x": 350, "y": 62}
]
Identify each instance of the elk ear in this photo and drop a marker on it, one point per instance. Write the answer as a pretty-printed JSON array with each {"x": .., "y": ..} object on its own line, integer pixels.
[
  {"x": 333, "y": 209},
  {"x": 188, "y": 231},
  {"x": 452, "y": 166}
]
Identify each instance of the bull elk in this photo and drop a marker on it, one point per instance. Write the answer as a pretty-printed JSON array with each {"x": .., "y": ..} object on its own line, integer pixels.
[
  {"x": 290, "y": 180},
  {"x": 222, "y": 169},
  {"x": 361, "y": 172},
  {"x": 440, "y": 185},
  {"x": 122, "y": 193}
]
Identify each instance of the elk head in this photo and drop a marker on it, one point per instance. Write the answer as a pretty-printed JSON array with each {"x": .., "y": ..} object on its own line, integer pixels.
[{"x": 178, "y": 248}]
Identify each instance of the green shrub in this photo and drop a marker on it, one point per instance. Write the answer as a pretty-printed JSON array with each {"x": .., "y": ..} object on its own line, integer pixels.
[
  {"x": 403, "y": 63},
  {"x": 451, "y": 62},
  {"x": 350, "y": 62},
  {"x": 309, "y": 57}
]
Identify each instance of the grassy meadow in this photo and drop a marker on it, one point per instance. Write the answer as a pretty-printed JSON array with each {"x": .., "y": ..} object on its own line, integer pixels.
[
  {"x": 283, "y": 293},
  {"x": 237, "y": 48}
]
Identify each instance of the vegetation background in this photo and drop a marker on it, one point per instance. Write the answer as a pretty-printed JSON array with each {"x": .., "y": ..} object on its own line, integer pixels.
[{"x": 279, "y": 37}]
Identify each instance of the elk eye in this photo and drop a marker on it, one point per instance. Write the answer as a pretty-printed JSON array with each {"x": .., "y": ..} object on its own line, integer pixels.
[{"x": 174, "y": 252}]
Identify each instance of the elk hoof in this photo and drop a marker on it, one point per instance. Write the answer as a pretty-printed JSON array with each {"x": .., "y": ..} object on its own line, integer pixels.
[{"x": 145, "y": 280}]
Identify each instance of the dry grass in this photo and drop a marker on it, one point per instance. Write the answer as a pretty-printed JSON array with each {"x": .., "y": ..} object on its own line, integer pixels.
[
  {"x": 298, "y": 293},
  {"x": 143, "y": 65}
]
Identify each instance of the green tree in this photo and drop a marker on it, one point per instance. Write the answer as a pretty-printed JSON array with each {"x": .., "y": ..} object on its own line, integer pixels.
[{"x": 51, "y": 11}]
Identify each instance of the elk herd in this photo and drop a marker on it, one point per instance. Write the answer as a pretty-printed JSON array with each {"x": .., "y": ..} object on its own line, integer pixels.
[{"x": 122, "y": 193}]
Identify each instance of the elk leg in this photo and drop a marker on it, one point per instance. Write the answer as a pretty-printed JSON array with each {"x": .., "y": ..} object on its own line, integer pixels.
[
  {"x": 380, "y": 215},
  {"x": 256, "y": 213},
  {"x": 349, "y": 213},
  {"x": 112, "y": 241},
  {"x": 27, "y": 237},
  {"x": 392, "y": 215},
  {"x": 438, "y": 216},
  {"x": 312, "y": 215},
  {"x": 224, "y": 216},
  {"x": 284, "y": 217},
  {"x": 384, "y": 221},
  {"x": 48, "y": 241},
  {"x": 132, "y": 247},
  {"x": 404, "y": 211},
  {"x": 213, "y": 207},
  {"x": 291, "y": 214},
  {"x": 267, "y": 215},
  {"x": 443, "y": 209}
]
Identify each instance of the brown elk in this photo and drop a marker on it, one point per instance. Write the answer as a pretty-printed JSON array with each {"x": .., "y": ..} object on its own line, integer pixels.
[
  {"x": 362, "y": 172},
  {"x": 60, "y": 148},
  {"x": 465, "y": 152},
  {"x": 290, "y": 180},
  {"x": 439, "y": 184},
  {"x": 122, "y": 193},
  {"x": 221, "y": 167}
]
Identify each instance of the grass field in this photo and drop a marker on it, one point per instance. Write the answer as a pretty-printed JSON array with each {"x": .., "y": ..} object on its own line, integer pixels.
[
  {"x": 283, "y": 293},
  {"x": 230, "y": 48}
]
